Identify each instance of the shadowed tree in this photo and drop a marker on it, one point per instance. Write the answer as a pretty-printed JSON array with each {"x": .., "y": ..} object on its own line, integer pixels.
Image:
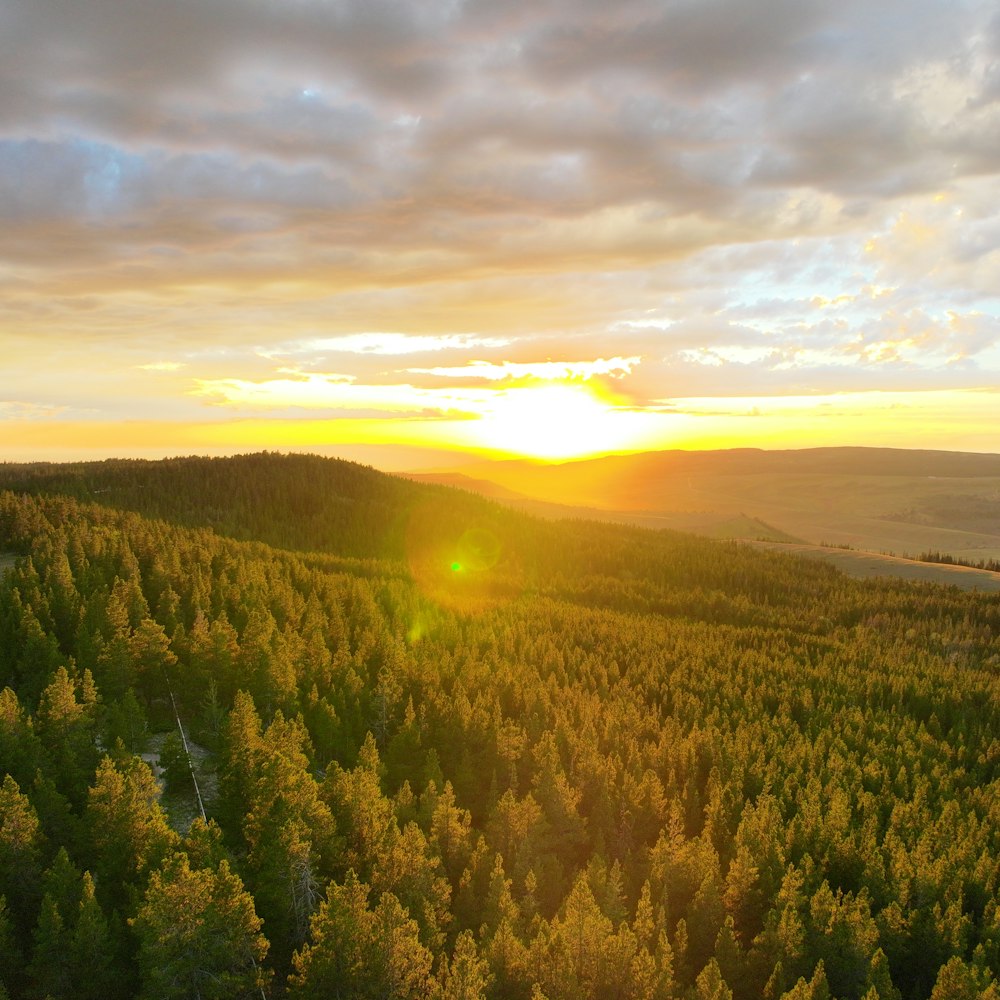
[
  {"x": 125, "y": 720},
  {"x": 12, "y": 964},
  {"x": 20, "y": 843},
  {"x": 199, "y": 937},
  {"x": 50, "y": 971},
  {"x": 361, "y": 953},
  {"x": 73, "y": 955},
  {"x": 93, "y": 950}
]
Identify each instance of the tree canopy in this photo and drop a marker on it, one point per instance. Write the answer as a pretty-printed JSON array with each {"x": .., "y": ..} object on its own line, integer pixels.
[{"x": 590, "y": 761}]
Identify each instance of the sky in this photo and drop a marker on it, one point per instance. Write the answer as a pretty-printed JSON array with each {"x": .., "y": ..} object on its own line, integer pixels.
[{"x": 402, "y": 232}]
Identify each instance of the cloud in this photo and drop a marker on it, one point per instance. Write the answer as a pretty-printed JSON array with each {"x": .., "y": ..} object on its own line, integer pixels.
[
  {"x": 390, "y": 344},
  {"x": 335, "y": 393},
  {"x": 162, "y": 366},
  {"x": 14, "y": 409},
  {"x": 715, "y": 187},
  {"x": 542, "y": 370}
]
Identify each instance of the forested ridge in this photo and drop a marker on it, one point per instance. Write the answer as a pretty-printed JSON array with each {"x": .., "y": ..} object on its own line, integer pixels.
[{"x": 454, "y": 752}]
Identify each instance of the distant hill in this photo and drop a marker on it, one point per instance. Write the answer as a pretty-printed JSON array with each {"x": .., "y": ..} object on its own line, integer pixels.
[
  {"x": 880, "y": 499},
  {"x": 309, "y": 503},
  {"x": 483, "y": 487}
]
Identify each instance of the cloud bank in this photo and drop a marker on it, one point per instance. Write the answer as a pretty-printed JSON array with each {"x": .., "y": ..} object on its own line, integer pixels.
[{"x": 774, "y": 198}]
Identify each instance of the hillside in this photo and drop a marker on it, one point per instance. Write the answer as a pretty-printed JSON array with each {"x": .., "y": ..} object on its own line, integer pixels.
[
  {"x": 461, "y": 752},
  {"x": 879, "y": 499},
  {"x": 292, "y": 501},
  {"x": 711, "y": 525}
]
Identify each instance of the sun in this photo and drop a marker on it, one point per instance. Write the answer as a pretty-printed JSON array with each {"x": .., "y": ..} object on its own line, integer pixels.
[{"x": 552, "y": 422}]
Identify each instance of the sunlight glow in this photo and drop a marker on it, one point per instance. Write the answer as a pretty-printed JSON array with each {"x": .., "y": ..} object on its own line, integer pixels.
[
  {"x": 562, "y": 420},
  {"x": 544, "y": 422}
]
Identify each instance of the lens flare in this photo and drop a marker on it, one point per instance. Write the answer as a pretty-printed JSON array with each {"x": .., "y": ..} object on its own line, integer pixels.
[{"x": 460, "y": 566}]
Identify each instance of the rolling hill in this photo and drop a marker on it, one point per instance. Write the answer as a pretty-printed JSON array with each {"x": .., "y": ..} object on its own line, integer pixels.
[{"x": 881, "y": 500}]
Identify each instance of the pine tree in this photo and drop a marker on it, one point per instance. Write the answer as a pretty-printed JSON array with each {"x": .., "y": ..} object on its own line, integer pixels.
[
  {"x": 50, "y": 971},
  {"x": 467, "y": 975},
  {"x": 198, "y": 935},
  {"x": 125, "y": 720},
  {"x": 20, "y": 842},
  {"x": 11, "y": 954},
  {"x": 710, "y": 985},
  {"x": 357, "y": 951},
  {"x": 151, "y": 656},
  {"x": 451, "y": 833},
  {"x": 93, "y": 950},
  {"x": 128, "y": 830},
  {"x": 20, "y": 750},
  {"x": 959, "y": 981},
  {"x": 816, "y": 988},
  {"x": 66, "y": 723},
  {"x": 567, "y": 955},
  {"x": 61, "y": 883}
]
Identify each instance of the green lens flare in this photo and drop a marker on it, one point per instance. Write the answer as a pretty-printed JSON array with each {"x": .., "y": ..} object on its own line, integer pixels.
[{"x": 455, "y": 567}]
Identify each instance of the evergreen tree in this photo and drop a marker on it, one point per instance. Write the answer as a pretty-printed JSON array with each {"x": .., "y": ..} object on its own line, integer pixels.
[
  {"x": 359, "y": 952},
  {"x": 20, "y": 850},
  {"x": 127, "y": 829},
  {"x": 710, "y": 985},
  {"x": 50, "y": 971},
  {"x": 467, "y": 975},
  {"x": 126, "y": 721},
  {"x": 11, "y": 954},
  {"x": 959, "y": 981},
  {"x": 816, "y": 988},
  {"x": 93, "y": 951},
  {"x": 198, "y": 934}
]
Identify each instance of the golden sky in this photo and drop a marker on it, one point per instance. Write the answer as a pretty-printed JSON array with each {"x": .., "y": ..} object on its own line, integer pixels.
[{"x": 394, "y": 231}]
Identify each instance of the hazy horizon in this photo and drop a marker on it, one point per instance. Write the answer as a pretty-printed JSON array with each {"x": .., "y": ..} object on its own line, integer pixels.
[{"x": 404, "y": 459}]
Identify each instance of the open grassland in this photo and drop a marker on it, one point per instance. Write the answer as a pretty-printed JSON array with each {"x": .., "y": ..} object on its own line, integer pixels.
[
  {"x": 898, "y": 514},
  {"x": 868, "y": 564},
  {"x": 935, "y": 504}
]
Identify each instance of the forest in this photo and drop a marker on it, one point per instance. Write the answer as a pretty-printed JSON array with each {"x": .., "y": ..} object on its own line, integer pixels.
[{"x": 447, "y": 751}]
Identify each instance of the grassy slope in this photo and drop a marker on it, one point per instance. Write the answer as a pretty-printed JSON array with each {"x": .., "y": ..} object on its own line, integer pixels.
[{"x": 868, "y": 564}]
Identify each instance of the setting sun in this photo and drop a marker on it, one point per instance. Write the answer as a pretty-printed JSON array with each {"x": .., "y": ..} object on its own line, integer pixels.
[{"x": 555, "y": 422}]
